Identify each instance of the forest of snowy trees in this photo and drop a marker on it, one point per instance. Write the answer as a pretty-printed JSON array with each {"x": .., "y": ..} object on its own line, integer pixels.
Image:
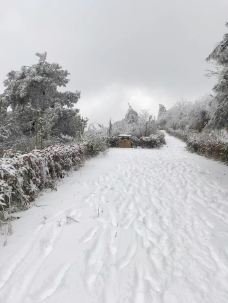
[{"x": 204, "y": 123}]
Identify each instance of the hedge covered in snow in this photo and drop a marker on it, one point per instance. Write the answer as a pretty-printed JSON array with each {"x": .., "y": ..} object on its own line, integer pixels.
[
  {"x": 22, "y": 177},
  {"x": 208, "y": 145},
  {"x": 153, "y": 141},
  {"x": 212, "y": 144}
]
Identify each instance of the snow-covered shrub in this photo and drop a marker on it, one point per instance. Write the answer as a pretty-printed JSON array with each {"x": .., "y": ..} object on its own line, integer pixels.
[
  {"x": 208, "y": 144},
  {"x": 135, "y": 140},
  {"x": 95, "y": 144},
  {"x": 154, "y": 140},
  {"x": 113, "y": 141},
  {"x": 5, "y": 189},
  {"x": 212, "y": 143},
  {"x": 26, "y": 175},
  {"x": 95, "y": 139}
]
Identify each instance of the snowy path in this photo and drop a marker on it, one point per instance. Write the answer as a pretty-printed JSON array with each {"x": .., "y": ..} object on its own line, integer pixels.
[{"x": 132, "y": 226}]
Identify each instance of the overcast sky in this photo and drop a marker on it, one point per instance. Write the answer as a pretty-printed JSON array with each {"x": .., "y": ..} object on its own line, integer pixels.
[{"x": 144, "y": 52}]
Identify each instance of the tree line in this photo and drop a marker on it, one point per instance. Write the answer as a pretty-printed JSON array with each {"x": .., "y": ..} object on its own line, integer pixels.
[{"x": 210, "y": 112}]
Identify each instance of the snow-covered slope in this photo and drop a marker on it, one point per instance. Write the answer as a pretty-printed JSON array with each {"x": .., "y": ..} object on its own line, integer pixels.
[{"x": 133, "y": 225}]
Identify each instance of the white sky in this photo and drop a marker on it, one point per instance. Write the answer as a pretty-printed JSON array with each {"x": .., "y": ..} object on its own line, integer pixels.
[{"x": 144, "y": 52}]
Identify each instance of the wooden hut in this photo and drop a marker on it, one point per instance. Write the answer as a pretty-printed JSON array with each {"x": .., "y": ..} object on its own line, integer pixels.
[{"x": 125, "y": 141}]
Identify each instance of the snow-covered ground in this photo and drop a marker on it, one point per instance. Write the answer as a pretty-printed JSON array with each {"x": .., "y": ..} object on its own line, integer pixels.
[{"x": 132, "y": 226}]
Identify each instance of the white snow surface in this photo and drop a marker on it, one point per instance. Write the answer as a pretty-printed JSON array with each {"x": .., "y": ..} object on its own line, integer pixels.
[{"x": 131, "y": 226}]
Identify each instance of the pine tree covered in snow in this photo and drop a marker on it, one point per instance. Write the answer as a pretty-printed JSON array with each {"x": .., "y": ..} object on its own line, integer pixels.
[
  {"x": 39, "y": 111},
  {"x": 220, "y": 56},
  {"x": 131, "y": 115},
  {"x": 110, "y": 128},
  {"x": 161, "y": 115}
]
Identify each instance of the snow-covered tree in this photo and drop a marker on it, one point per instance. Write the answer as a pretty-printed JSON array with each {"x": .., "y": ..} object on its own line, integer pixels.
[
  {"x": 68, "y": 122},
  {"x": 187, "y": 115},
  {"x": 96, "y": 136},
  {"x": 131, "y": 115},
  {"x": 161, "y": 111},
  {"x": 146, "y": 124},
  {"x": 220, "y": 56},
  {"x": 220, "y": 53},
  {"x": 161, "y": 116},
  {"x": 201, "y": 113},
  {"x": 38, "y": 108},
  {"x": 135, "y": 124},
  {"x": 109, "y": 128},
  {"x": 177, "y": 117}
]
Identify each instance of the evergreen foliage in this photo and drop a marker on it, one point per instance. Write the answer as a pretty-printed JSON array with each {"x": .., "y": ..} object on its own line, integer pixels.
[
  {"x": 220, "y": 56},
  {"x": 35, "y": 110}
]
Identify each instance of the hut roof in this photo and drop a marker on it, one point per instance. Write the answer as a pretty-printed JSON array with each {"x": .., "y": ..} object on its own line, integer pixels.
[{"x": 124, "y": 135}]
